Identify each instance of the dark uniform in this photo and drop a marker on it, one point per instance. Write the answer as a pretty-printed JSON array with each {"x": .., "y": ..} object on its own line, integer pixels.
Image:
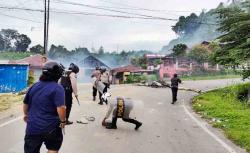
[
  {"x": 174, "y": 86},
  {"x": 69, "y": 81}
]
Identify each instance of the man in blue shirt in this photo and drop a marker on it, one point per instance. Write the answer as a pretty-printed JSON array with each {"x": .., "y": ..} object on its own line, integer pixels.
[{"x": 44, "y": 111}]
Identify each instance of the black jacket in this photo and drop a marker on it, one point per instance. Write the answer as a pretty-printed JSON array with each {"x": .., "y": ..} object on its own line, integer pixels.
[{"x": 175, "y": 82}]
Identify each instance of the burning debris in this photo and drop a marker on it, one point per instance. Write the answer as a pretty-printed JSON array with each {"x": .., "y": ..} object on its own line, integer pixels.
[{"x": 165, "y": 84}]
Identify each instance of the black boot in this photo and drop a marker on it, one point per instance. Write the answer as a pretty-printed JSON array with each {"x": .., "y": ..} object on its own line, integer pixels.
[
  {"x": 113, "y": 124},
  {"x": 68, "y": 122},
  {"x": 138, "y": 125},
  {"x": 111, "y": 127}
]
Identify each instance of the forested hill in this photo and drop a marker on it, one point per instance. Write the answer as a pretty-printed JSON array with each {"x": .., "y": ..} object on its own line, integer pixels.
[{"x": 195, "y": 29}]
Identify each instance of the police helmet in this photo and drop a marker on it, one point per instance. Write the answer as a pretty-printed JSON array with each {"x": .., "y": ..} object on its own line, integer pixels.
[
  {"x": 97, "y": 68},
  {"x": 52, "y": 70},
  {"x": 74, "y": 68}
]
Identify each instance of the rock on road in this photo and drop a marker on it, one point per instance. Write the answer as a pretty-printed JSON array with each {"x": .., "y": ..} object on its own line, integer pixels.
[{"x": 166, "y": 128}]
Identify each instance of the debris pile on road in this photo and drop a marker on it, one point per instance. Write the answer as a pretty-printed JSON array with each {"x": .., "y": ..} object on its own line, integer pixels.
[{"x": 165, "y": 84}]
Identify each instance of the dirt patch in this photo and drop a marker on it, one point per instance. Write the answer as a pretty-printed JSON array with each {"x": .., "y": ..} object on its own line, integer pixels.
[{"x": 8, "y": 100}]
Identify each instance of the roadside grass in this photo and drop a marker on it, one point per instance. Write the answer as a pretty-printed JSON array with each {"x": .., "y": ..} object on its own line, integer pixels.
[
  {"x": 229, "y": 110},
  {"x": 7, "y": 100},
  {"x": 210, "y": 77},
  {"x": 7, "y": 55}
]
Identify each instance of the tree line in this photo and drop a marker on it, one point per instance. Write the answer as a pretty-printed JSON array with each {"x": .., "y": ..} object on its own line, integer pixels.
[{"x": 232, "y": 48}]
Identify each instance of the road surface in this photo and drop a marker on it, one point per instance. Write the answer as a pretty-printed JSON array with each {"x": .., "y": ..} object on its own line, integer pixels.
[{"x": 166, "y": 128}]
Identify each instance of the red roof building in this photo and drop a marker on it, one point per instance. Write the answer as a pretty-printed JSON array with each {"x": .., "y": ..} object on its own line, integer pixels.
[
  {"x": 120, "y": 74},
  {"x": 34, "y": 61}
]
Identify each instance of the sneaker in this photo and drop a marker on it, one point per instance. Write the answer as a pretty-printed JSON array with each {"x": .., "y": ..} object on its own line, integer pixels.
[
  {"x": 100, "y": 103},
  {"x": 138, "y": 126},
  {"x": 93, "y": 98},
  {"x": 69, "y": 122}
]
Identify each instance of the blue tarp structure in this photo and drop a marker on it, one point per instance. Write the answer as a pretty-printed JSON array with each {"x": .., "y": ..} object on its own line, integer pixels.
[{"x": 13, "y": 77}]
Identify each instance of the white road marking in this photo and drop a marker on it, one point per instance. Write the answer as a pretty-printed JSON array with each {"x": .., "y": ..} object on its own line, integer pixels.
[
  {"x": 226, "y": 146},
  {"x": 11, "y": 121}
]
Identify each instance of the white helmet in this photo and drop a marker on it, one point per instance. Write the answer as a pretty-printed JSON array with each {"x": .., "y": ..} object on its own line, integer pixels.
[{"x": 105, "y": 96}]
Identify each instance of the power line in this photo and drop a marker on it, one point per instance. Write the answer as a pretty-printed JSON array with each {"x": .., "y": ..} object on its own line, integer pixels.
[
  {"x": 112, "y": 10},
  {"x": 118, "y": 11},
  {"x": 15, "y": 17},
  {"x": 96, "y": 14},
  {"x": 83, "y": 13},
  {"x": 130, "y": 7}
]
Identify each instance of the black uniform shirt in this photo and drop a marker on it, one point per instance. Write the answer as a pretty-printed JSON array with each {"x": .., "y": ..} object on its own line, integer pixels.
[{"x": 175, "y": 82}]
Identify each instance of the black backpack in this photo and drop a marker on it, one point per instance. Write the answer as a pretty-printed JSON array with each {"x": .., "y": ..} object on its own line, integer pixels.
[{"x": 65, "y": 81}]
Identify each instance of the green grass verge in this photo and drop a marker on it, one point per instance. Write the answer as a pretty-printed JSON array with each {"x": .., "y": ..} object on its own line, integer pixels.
[
  {"x": 14, "y": 55},
  {"x": 7, "y": 100},
  {"x": 224, "y": 110},
  {"x": 215, "y": 77}
]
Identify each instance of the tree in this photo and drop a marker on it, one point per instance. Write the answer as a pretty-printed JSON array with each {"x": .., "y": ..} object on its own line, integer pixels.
[
  {"x": 235, "y": 51},
  {"x": 37, "y": 49},
  {"x": 101, "y": 51},
  {"x": 200, "y": 54},
  {"x": 8, "y": 35},
  {"x": 139, "y": 61},
  {"x": 58, "y": 52},
  {"x": 22, "y": 43},
  {"x": 179, "y": 50},
  {"x": 186, "y": 25},
  {"x": 2, "y": 42}
]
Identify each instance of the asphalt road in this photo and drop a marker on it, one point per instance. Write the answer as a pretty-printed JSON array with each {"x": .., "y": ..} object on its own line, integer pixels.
[{"x": 166, "y": 128}]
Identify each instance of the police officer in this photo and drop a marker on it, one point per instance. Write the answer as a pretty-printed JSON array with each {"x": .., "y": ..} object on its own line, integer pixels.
[
  {"x": 96, "y": 76},
  {"x": 105, "y": 81},
  {"x": 174, "y": 87},
  {"x": 44, "y": 111},
  {"x": 69, "y": 82},
  {"x": 121, "y": 108}
]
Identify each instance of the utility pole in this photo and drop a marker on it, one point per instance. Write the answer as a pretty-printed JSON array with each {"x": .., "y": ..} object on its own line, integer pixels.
[
  {"x": 47, "y": 32},
  {"x": 45, "y": 27}
]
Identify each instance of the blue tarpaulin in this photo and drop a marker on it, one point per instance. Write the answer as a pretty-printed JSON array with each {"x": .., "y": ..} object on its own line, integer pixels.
[{"x": 13, "y": 77}]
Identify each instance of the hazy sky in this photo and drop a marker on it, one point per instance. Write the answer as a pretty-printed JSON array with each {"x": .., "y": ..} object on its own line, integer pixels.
[{"x": 112, "y": 33}]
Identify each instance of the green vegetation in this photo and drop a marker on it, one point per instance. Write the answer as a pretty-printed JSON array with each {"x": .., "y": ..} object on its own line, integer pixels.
[
  {"x": 199, "y": 53},
  {"x": 179, "y": 50},
  {"x": 235, "y": 51},
  {"x": 229, "y": 110},
  {"x": 31, "y": 79},
  {"x": 14, "y": 55},
  {"x": 140, "y": 78},
  {"x": 7, "y": 100},
  {"x": 12, "y": 40},
  {"x": 135, "y": 78}
]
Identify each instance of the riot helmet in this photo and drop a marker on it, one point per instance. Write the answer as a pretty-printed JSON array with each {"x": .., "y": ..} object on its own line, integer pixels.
[
  {"x": 74, "y": 68},
  {"x": 52, "y": 71},
  {"x": 97, "y": 68}
]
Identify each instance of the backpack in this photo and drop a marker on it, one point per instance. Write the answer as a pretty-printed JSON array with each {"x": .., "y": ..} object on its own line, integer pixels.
[{"x": 65, "y": 81}]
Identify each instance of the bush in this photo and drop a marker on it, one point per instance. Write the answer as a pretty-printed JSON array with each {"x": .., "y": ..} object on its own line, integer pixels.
[
  {"x": 135, "y": 78},
  {"x": 31, "y": 79}
]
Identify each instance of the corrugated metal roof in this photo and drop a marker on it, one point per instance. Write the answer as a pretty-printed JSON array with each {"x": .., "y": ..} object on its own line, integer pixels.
[
  {"x": 128, "y": 68},
  {"x": 34, "y": 61}
]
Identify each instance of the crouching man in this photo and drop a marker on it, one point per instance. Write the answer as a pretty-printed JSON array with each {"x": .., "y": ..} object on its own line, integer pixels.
[{"x": 121, "y": 108}]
